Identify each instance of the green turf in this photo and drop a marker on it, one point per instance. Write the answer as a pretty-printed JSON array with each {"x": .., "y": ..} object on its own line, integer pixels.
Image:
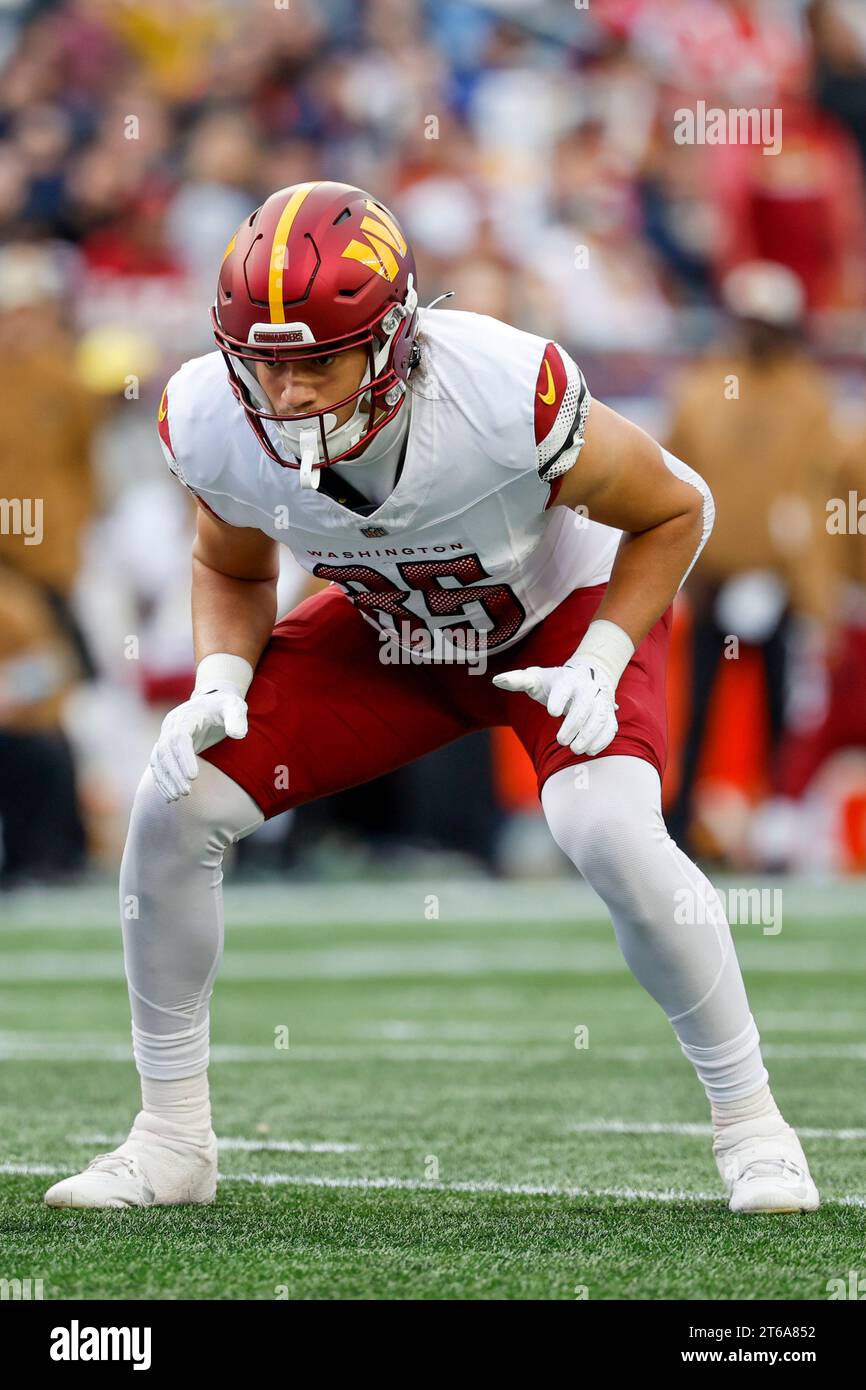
[{"x": 444, "y": 1052}]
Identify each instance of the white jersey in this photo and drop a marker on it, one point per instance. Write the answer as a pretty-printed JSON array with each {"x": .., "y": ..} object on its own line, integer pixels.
[{"x": 468, "y": 538}]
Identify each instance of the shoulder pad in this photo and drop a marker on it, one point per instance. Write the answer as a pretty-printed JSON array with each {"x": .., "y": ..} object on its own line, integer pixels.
[
  {"x": 162, "y": 425},
  {"x": 562, "y": 402}
]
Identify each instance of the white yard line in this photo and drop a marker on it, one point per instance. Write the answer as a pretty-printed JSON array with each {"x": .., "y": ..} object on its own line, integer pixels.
[
  {"x": 27, "y": 1047},
  {"x": 285, "y": 1146},
  {"x": 284, "y": 903},
  {"x": 427, "y": 959},
  {"x": 34, "y": 1050},
  {"x": 698, "y": 1130},
  {"x": 637, "y": 1127},
  {"x": 506, "y": 1189},
  {"x": 31, "y": 1170},
  {"x": 386, "y": 1184},
  {"x": 811, "y": 1021}
]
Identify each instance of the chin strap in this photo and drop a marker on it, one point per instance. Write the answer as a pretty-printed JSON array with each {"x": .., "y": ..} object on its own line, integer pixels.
[{"x": 309, "y": 477}]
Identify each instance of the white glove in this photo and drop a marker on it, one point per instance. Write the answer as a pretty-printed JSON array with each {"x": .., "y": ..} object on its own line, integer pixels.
[
  {"x": 581, "y": 691},
  {"x": 216, "y": 710}
]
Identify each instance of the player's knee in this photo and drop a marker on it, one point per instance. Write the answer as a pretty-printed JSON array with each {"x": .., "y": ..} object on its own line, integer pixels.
[
  {"x": 195, "y": 828},
  {"x": 598, "y": 841},
  {"x": 613, "y": 847}
]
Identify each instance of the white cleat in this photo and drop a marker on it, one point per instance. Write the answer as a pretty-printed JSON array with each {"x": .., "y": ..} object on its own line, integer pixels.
[
  {"x": 767, "y": 1173},
  {"x": 156, "y": 1166}
]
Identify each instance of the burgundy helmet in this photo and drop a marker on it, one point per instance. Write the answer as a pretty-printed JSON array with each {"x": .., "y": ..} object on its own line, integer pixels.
[{"x": 318, "y": 269}]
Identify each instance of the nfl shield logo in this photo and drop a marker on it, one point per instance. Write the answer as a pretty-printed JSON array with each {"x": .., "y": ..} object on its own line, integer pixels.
[{"x": 373, "y": 532}]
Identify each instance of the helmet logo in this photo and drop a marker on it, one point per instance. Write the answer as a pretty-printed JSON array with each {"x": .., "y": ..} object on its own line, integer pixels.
[{"x": 383, "y": 239}]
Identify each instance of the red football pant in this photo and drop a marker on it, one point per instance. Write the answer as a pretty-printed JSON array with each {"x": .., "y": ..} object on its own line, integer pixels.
[{"x": 326, "y": 713}]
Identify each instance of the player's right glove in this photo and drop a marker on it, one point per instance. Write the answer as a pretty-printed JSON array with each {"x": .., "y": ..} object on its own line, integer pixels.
[{"x": 217, "y": 709}]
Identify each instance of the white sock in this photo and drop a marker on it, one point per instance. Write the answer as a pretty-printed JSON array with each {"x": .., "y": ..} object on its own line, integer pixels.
[
  {"x": 734, "y": 1119},
  {"x": 182, "y": 1105}
]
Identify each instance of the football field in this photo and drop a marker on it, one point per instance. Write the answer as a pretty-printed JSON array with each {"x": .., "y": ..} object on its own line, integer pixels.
[{"x": 431, "y": 1091}]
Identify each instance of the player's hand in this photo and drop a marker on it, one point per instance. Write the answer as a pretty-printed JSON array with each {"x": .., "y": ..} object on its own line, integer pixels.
[
  {"x": 581, "y": 691},
  {"x": 206, "y": 718}
]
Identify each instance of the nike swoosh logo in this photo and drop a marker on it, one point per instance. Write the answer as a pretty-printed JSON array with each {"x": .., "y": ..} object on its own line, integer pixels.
[
  {"x": 548, "y": 396},
  {"x": 163, "y": 406}
]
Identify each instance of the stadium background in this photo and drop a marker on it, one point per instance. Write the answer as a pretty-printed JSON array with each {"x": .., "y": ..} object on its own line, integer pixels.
[{"x": 528, "y": 148}]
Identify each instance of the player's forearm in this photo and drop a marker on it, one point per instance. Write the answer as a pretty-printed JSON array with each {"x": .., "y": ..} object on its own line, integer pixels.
[
  {"x": 231, "y": 615},
  {"x": 648, "y": 571},
  {"x": 665, "y": 511}
]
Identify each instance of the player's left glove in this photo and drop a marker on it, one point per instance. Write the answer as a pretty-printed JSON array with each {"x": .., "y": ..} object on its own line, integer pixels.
[{"x": 582, "y": 691}]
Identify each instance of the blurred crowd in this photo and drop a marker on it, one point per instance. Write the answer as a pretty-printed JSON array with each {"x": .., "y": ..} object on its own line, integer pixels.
[{"x": 715, "y": 293}]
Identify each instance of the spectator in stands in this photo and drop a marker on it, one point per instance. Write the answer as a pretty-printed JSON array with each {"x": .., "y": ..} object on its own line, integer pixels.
[
  {"x": 529, "y": 153},
  {"x": 842, "y": 721},
  {"x": 47, "y": 422},
  {"x": 838, "y": 30},
  {"x": 754, "y": 418},
  {"x": 40, "y": 824}
]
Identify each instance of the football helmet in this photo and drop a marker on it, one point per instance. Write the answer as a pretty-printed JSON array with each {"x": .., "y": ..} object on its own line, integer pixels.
[{"x": 318, "y": 269}]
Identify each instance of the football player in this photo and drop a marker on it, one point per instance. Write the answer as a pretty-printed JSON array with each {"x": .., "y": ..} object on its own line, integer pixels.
[{"x": 444, "y": 471}]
